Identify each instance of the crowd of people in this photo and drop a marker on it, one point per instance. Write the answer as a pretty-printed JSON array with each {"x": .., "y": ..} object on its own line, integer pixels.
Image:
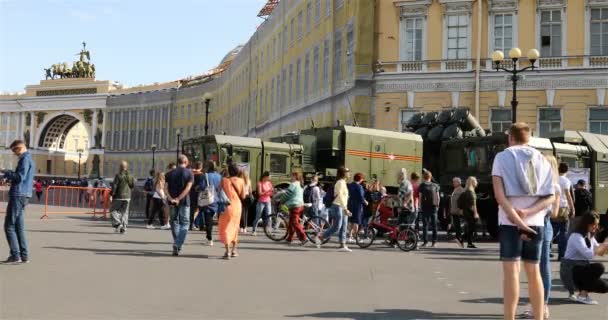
[{"x": 537, "y": 206}]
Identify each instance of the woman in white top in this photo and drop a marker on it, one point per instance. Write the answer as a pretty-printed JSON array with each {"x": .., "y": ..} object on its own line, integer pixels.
[
  {"x": 159, "y": 202},
  {"x": 577, "y": 271}
]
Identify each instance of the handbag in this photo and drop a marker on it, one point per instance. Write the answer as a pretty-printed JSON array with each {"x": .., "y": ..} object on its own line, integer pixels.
[{"x": 207, "y": 196}]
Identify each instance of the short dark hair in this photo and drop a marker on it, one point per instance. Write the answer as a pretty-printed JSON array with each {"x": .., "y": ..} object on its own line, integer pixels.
[
  {"x": 520, "y": 132},
  {"x": 210, "y": 166},
  {"x": 585, "y": 221},
  {"x": 414, "y": 176},
  {"x": 563, "y": 168},
  {"x": 233, "y": 170},
  {"x": 341, "y": 174},
  {"x": 358, "y": 177},
  {"x": 152, "y": 172},
  {"x": 581, "y": 182},
  {"x": 197, "y": 165},
  {"x": 171, "y": 165},
  {"x": 264, "y": 175},
  {"x": 16, "y": 143}
]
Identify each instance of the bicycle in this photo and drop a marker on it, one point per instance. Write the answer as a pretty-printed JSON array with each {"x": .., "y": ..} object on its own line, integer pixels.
[
  {"x": 278, "y": 222},
  {"x": 402, "y": 234}
]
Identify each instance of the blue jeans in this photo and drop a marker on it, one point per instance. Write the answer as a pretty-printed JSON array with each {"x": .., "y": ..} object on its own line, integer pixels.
[
  {"x": 180, "y": 222},
  {"x": 340, "y": 223},
  {"x": 561, "y": 229},
  {"x": 262, "y": 210},
  {"x": 429, "y": 217},
  {"x": 545, "y": 261},
  {"x": 14, "y": 226}
]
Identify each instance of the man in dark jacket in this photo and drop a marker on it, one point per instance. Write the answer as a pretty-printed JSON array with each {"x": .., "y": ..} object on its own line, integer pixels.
[
  {"x": 121, "y": 196},
  {"x": 22, "y": 181},
  {"x": 583, "y": 200}
]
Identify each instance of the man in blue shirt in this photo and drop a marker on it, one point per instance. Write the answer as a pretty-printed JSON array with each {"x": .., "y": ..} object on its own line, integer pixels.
[
  {"x": 179, "y": 182},
  {"x": 214, "y": 179},
  {"x": 22, "y": 181}
]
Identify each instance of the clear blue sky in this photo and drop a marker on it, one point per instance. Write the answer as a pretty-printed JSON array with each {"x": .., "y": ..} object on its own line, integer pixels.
[{"x": 131, "y": 41}]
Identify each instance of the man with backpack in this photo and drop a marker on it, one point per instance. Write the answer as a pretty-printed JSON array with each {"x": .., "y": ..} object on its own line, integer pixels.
[
  {"x": 149, "y": 190},
  {"x": 429, "y": 205}
]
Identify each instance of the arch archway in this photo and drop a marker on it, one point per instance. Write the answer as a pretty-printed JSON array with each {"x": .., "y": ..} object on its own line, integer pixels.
[{"x": 54, "y": 130}]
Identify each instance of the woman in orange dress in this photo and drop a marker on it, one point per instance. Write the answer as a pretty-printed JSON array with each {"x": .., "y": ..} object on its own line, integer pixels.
[{"x": 229, "y": 220}]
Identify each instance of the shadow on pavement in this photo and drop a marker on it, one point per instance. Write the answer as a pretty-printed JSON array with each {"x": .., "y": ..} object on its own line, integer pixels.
[
  {"x": 522, "y": 301},
  {"x": 110, "y": 231},
  {"x": 395, "y": 314},
  {"x": 134, "y": 253},
  {"x": 288, "y": 249},
  {"x": 494, "y": 259},
  {"x": 169, "y": 243}
]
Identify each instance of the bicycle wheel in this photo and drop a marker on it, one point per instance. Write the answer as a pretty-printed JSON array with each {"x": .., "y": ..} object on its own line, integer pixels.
[
  {"x": 315, "y": 226},
  {"x": 407, "y": 239},
  {"x": 276, "y": 228},
  {"x": 365, "y": 237}
]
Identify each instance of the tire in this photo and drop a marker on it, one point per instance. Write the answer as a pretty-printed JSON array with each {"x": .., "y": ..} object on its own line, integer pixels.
[
  {"x": 365, "y": 237},
  {"x": 314, "y": 226},
  {"x": 407, "y": 239},
  {"x": 276, "y": 229}
]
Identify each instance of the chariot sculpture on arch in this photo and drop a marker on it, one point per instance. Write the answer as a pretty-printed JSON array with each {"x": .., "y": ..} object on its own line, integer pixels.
[{"x": 83, "y": 68}]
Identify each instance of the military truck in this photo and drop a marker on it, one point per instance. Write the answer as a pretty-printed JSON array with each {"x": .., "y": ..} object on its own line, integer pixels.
[
  {"x": 251, "y": 154},
  {"x": 376, "y": 153}
]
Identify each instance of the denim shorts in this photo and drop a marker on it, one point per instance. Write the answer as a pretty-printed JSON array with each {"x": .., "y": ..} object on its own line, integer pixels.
[{"x": 513, "y": 248}]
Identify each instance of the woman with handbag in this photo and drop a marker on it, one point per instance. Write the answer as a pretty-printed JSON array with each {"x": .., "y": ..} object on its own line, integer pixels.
[
  {"x": 247, "y": 201},
  {"x": 229, "y": 219}
]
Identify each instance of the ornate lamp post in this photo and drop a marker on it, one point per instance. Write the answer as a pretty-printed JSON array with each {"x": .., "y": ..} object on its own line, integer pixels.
[
  {"x": 179, "y": 134},
  {"x": 153, "y": 147},
  {"x": 80, "y": 151},
  {"x": 515, "y": 54},
  {"x": 207, "y": 98}
]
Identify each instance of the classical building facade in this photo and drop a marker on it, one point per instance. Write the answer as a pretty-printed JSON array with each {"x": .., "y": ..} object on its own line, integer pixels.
[{"x": 370, "y": 62}]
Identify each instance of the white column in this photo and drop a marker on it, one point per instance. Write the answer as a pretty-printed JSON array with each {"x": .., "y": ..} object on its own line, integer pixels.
[
  {"x": 93, "y": 130},
  {"x": 8, "y": 128},
  {"x": 169, "y": 111},
  {"x": 22, "y": 114},
  {"x": 144, "y": 130},
  {"x": 138, "y": 130},
  {"x": 33, "y": 129},
  {"x": 103, "y": 129},
  {"x": 160, "y": 126},
  {"x": 121, "y": 115}
]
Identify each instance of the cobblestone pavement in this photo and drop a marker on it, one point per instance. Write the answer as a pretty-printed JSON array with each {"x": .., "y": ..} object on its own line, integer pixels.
[{"x": 80, "y": 269}]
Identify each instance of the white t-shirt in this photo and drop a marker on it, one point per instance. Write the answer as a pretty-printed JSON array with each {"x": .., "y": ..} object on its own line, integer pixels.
[
  {"x": 524, "y": 202},
  {"x": 565, "y": 186}
]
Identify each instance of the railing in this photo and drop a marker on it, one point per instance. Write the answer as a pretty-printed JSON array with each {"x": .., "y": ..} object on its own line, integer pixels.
[
  {"x": 76, "y": 200},
  {"x": 465, "y": 65}
]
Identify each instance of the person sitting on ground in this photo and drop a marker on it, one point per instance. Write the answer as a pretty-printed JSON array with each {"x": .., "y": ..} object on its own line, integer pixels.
[{"x": 576, "y": 270}]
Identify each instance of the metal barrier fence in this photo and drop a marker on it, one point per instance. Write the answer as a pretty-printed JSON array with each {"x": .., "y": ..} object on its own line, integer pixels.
[{"x": 76, "y": 200}]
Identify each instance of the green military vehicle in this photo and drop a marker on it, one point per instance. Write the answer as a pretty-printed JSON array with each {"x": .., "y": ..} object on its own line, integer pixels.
[
  {"x": 586, "y": 154},
  {"x": 376, "y": 153},
  {"x": 251, "y": 154}
]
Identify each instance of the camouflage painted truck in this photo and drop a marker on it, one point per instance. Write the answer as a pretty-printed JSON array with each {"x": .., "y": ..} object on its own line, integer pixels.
[
  {"x": 376, "y": 153},
  {"x": 251, "y": 154}
]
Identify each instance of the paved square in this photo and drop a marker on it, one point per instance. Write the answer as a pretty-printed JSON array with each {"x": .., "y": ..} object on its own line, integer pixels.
[{"x": 82, "y": 270}]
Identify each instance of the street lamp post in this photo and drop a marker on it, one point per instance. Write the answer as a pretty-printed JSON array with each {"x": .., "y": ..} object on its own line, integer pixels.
[
  {"x": 207, "y": 98},
  {"x": 515, "y": 54},
  {"x": 153, "y": 147},
  {"x": 80, "y": 151},
  {"x": 179, "y": 134}
]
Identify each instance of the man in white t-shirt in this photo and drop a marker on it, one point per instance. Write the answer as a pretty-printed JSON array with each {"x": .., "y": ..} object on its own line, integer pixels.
[
  {"x": 523, "y": 187},
  {"x": 565, "y": 215}
]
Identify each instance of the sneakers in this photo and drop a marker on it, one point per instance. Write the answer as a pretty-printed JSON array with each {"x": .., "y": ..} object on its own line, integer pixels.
[
  {"x": 459, "y": 242},
  {"x": 318, "y": 242},
  {"x": 351, "y": 240},
  {"x": 586, "y": 300},
  {"x": 433, "y": 245},
  {"x": 573, "y": 297},
  {"x": 117, "y": 229},
  {"x": 255, "y": 233},
  {"x": 166, "y": 227},
  {"x": 210, "y": 243},
  {"x": 150, "y": 227},
  {"x": 303, "y": 242},
  {"x": 175, "y": 251},
  {"x": 25, "y": 260},
  {"x": 123, "y": 230},
  {"x": 471, "y": 246},
  {"x": 345, "y": 249},
  {"x": 12, "y": 260}
]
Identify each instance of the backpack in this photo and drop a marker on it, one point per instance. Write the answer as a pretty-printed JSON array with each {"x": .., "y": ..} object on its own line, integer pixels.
[
  {"x": 464, "y": 200},
  {"x": 207, "y": 196},
  {"x": 149, "y": 185},
  {"x": 308, "y": 194},
  {"x": 328, "y": 198},
  {"x": 428, "y": 195}
]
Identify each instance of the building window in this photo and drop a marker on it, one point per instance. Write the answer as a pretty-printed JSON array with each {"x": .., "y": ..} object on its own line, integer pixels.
[
  {"x": 338, "y": 56},
  {"x": 327, "y": 8},
  {"x": 283, "y": 86},
  {"x": 278, "y": 91},
  {"x": 293, "y": 30},
  {"x": 317, "y": 11},
  {"x": 405, "y": 116},
  {"x": 458, "y": 30},
  {"x": 411, "y": 47},
  {"x": 306, "y": 74},
  {"x": 298, "y": 76},
  {"x": 300, "y": 24},
  {"x": 272, "y": 96},
  {"x": 350, "y": 50},
  {"x": 551, "y": 33},
  {"x": 598, "y": 120},
  {"x": 326, "y": 64},
  {"x": 339, "y": 4},
  {"x": 503, "y": 32},
  {"x": 599, "y": 32},
  {"x": 284, "y": 38},
  {"x": 549, "y": 120},
  {"x": 289, "y": 93},
  {"x": 500, "y": 120},
  {"x": 189, "y": 111},
  {"x": 315, "y": 72},
  {"x": 308, "y": 15}
]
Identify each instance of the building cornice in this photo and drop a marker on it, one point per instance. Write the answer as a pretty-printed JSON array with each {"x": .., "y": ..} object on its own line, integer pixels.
[
  {"x": 503, "y": 5},
  {"x": 457, "y": 6},
  {"x": 551, "y": 4},
  {"x": 412, "y": 8},
  {"x": 596, "y": 3}
]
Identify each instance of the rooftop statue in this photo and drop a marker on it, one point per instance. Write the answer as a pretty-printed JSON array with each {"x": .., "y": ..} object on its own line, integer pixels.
[{"x": 83, "y": 68}]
